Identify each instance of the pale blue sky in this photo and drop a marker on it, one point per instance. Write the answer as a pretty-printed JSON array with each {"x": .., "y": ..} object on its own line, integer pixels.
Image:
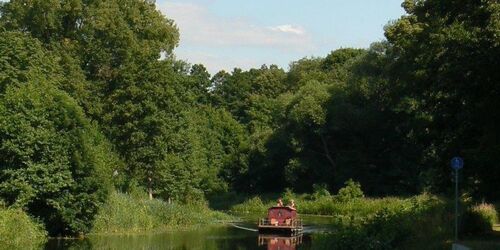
[{"x": 223, "y": 34}]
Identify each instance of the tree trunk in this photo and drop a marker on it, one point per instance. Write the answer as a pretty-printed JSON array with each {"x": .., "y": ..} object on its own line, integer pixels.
[
  {"x": 150, "y": 188},
  {"x": 327, "y": 152}
]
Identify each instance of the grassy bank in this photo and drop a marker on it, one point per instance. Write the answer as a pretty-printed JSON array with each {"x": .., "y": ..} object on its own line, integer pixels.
[
  {"x": 384, "y": 223},
  {"x": 413, "y": 223},
  {"x": 373, "y": 223},
  {"x": 20, "y": 231},
  {"x": 348, "y": 202},
  {"x": 131, "y": 214}
]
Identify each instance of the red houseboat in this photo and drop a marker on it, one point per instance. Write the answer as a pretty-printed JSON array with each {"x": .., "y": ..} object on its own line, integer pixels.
[{"x": 281, "y": 220}]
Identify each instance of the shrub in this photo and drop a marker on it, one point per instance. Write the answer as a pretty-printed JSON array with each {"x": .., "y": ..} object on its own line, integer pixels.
[
  {"x": 405, "y": 224},
  {"x": 351, "y": 191},
  {"x": 254, "y": 205},
  {"x": 320, "y": 191},
  {"x": 19, "y": 231},
  {"x": 479, "y": 219},
  {"x": 288, "y": 196}
]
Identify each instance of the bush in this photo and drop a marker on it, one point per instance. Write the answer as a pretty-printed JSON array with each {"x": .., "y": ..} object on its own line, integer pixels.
[
  {"x": 403, "y": 225},
  {"x": 253, "y": 205},
  {"x": 320, "y": 191},
  {"x": 351, "y": 191},
  {"x": 479, "y": 219},
  {"x": 19, "y": 231}
]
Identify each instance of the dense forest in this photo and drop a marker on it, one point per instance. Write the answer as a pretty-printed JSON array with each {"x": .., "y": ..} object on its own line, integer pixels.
[{"x": 92, "y": 98}]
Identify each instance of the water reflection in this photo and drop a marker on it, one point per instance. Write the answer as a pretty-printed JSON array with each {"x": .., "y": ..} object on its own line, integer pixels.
[{"x": 275, "y": 242}]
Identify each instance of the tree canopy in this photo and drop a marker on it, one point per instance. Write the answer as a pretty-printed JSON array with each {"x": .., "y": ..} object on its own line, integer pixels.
[{"x": 93, "y": 98}]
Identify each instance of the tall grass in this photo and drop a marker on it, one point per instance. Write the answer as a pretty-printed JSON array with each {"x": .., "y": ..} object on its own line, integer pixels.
[
  {"x": 130, "y": 214},
  {"x": 324, "y": 205},
  {"x": 20, "y": 231}
]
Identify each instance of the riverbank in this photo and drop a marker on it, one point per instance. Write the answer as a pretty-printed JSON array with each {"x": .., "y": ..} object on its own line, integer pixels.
[{"x": 384, "y": 223}]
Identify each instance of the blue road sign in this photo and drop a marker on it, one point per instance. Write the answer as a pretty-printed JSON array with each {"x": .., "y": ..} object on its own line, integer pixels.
[{"x": 457, "y": 163}]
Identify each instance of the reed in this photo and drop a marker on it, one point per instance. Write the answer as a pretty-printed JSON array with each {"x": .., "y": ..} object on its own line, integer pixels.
[{"x": 135, "y": 214}]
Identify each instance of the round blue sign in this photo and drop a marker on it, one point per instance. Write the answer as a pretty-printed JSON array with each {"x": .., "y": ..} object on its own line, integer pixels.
[{"x": 457, "y": 163}]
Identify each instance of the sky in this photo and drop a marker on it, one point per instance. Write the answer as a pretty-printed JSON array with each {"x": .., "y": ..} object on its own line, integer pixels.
[{"x": 224, "y": 34}]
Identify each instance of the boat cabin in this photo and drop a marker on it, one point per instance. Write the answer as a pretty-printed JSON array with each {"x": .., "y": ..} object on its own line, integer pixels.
[
  {"x": 281, "y": 219},
  {"x": 281, "y": 215}
]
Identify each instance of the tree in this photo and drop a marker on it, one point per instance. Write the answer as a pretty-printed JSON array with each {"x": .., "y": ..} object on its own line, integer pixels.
[
  {"x": 52, "y": 159},
  {"x": 24, "y": 58},
  {"x": 446, "y": 58},
  {"x": 101, "y": 37}
]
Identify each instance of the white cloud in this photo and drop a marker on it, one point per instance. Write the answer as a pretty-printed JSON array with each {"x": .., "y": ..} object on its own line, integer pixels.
[
  {"x": 200, "y": 27},
  {"x": 224, "y": 43},
  {"x": 288, "y": 28}
]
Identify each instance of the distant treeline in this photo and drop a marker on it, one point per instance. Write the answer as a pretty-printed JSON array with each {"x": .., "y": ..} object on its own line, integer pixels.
[{"x": 92, "y": 98}]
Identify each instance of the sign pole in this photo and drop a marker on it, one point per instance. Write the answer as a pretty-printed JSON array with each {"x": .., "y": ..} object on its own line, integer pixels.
[
  {"x": 456, "y": 163},
  {"x": 456, "y": 204}
]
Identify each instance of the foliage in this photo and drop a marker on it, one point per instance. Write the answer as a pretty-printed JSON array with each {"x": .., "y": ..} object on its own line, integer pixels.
[
  {"x": 351, "y": 191},
  {"x": 405, "y": 226},
  {"x": 129, "y": 214},
  {"x": 19, "y": 231},
  {"x": 91, "y": 95},
  {"x": 51, "y": 158},
  {"x": 24, "y": 59},
  {"x": 319, "y": 191},
  {"x": 479, "y": 219},
  {"x": 253, "y": 205},
  {"x": 173, "y": 147},
  {"x": 352, "y": 203},
  {"x": 444, "y": 58}
]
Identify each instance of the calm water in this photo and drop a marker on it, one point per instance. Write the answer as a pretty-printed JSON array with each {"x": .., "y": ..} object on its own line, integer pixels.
[
  {"x": 210, "y": 238},
  {"x": 215, "y": 237}
]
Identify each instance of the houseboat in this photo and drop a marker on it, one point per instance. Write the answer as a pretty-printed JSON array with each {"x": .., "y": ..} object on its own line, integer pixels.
[{"x": 281, "y": 220}]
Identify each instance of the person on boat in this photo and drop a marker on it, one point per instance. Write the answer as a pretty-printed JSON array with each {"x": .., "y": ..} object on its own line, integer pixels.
[
  {"x": 292, "y": 204},
  {"x": 280, "y": 203}
]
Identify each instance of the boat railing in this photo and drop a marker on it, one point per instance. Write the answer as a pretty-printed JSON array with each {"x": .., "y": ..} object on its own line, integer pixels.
[{"x": 288, "y": 222}]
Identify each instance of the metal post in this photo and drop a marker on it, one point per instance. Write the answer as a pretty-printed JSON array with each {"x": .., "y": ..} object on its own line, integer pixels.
[{"x": 456, "y": 205}]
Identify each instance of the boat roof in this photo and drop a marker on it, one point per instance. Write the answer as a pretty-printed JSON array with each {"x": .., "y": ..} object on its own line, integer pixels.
[{"x": 287, "y": 208}]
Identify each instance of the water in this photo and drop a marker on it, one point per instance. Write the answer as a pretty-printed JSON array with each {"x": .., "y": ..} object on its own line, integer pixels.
[
  {"x": 222, "y": 237},
  {"x": 241, "y": 235}
]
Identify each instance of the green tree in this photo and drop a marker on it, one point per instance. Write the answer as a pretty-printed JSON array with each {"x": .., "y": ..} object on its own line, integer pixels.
[
  {"x": 52, "y": 161},
  {"x": 102, "y": 37},
  {"x": 446, "y": 58}
]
